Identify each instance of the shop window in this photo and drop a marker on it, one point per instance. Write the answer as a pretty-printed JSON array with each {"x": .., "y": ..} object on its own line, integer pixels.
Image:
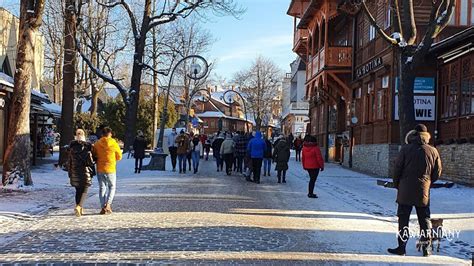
[{"x": 380, "y": 104}]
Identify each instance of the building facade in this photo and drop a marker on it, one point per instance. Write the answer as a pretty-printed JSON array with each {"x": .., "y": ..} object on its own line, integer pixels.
[
  {"x": 454, "y": 125},
  {"x": 295, "y": 107},
  {"x": 351, "y": 80}
]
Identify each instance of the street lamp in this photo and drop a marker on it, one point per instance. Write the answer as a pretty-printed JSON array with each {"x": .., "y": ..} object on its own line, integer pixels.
[
  {"x": 204, "y": 97},
  {"x": 230, "y": 100},
  {"x": 198, "y": 71}
]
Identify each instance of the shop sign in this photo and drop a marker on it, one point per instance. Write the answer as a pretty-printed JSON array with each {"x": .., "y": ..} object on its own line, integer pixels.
[
  {"x": 422, "y": 85},
  {"x": 2, "y": 102},
  {"x": 424, "y": 108},
  {"x": 371, "y": 65}
]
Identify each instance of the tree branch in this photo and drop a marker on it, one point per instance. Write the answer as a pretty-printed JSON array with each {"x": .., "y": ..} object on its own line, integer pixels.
[
  {"x": 131, "y": 16},
  {"x": 96, "y": 71},
  {"x": 373, "y": 22}
]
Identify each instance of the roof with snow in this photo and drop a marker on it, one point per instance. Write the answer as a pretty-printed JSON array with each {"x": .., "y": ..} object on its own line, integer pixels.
[{"x": 6, "y": 80}]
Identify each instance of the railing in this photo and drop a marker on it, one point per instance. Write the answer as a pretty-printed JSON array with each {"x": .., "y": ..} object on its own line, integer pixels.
[
  {"x": 315, "y": 65},
  {"x": 300, "y": 106},
  {"x": 340, "y": 56},
  {"x": 299, "y": 35}
]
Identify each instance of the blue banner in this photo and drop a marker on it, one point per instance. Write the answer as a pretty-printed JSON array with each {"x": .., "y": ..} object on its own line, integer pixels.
[{"x": 422, "y": 85}]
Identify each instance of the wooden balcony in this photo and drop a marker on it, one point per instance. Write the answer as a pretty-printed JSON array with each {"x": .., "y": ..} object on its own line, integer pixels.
[
  {"x": 332, "y": 58},
  {"x": 300, "y": 41}
]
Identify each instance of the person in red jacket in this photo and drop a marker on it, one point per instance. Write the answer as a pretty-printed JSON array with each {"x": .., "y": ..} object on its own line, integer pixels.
[{"x": 312, "y": 162}]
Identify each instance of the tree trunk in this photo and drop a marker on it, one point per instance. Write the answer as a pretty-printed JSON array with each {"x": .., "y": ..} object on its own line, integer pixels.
[
  {"x": 69, "y": 78},
  {"x": 258, "y": 123},
  {"x": 406, "y": 108},
  {"x": 94, "y": 87},
  {"x": 133, "y": 100},
  {"x": 17, "y": 154}
]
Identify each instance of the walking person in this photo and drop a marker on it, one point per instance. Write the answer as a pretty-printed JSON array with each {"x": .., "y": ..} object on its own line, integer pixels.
[
  {"x": 207, "y": 148},
  {"x": 281, "y": 155},
  {"x": 196, "y": 150},
  {"x": 107, "y": 152},
  {"x": 298, "y": 144},
  {"x": 256, "y": 148},
  {"x": 240, "y": 151},
  {"x": 189, "y": 155},
  {"x": 139, "y": 146},
  {"x": 267, "y": 157},
  {"x": 173, "y": 149},
  {"x": 417, "y": 166},
  {"x": 291, "y": 138},
  {"x": 227, "y": 152},
  {"x": 312, "y": 162},
  {"x": 81, "y": 169},
  {"x": 216, "y": 150},
  {"x": 182, "y": 144}
]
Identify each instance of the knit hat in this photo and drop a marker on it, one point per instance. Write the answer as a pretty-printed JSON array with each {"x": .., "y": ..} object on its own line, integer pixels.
[{"x": 421, "y": 128}]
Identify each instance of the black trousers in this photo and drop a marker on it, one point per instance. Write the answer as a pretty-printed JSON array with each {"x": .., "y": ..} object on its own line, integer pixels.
[
  {"x": 403, "y": 213},
  {"x": 298, "y": 155},
  {"x": 240, "y": 162},
  {"x": 81, "y": 195},
  {"x": 174, "y": 155},
  {"x": 229, "y": 161},
  {"x": 256, "y": 168},
  {"x": 313, "y": 175},
  {"x": 281, "y": 173},
  {"x": 138, "y": 163}
]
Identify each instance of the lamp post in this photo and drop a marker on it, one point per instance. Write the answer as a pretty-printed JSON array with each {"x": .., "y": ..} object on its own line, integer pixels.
[
  {"x": 230, "y": 100},
  {"x": 198, "y": 71},
  {"x": 203, "y": 98}
]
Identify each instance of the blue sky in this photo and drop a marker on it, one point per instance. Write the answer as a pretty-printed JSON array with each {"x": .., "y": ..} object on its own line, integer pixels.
[{"x": 264, "y": 29}]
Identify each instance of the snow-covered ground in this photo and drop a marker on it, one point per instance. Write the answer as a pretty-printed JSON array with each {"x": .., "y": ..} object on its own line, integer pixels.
[{"x": 353, "y": 215}]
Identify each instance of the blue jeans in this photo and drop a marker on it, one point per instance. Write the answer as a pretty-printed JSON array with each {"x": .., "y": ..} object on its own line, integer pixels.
[
  {"x": 106, "y": 187},
  {"x": 267, "y": 164},
  {"x": 182, "y": 162},
  {"x": 195, "y": 156}
]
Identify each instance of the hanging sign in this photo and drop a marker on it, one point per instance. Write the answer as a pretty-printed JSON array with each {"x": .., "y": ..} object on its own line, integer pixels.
[
  {"x": 2, "y": 102},
  {"x": 366, "y": 68},
  {"x": 424, "y": 108}
]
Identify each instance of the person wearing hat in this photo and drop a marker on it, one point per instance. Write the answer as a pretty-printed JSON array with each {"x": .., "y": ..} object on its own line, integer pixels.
[
  {"x": 418, "y": 165},
  {"x": 216, "y": 150},
  {"x": 81, "y": 168},
  {"x": 139, "y": 146}
]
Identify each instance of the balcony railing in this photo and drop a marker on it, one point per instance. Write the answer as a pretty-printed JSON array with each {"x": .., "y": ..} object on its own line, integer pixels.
[
  {"x": 300, "y": 39},
  {"x": 339, "y": 56},
  {"x": 334, "y": 56}
]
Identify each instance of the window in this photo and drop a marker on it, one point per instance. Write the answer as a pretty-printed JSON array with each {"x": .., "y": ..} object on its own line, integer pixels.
[
  {"x": 472, "y": 12},
  {"x": 388, "y": 17},
  {"x": 380, "y": 104},
  {"x": 385, "y": 82},
  {"x": 369, "y": 103},
  {"x": 463, "y": 14},
  {"x": 371, "y": 33}
]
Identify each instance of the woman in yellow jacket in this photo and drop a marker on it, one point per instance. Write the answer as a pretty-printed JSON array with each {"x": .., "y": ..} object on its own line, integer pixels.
[{"x": 107, "y": 152}]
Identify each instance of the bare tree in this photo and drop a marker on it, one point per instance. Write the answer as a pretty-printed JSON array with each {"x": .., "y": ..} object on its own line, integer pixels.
[
  {"x": 17, "y": 155},
  {"x": 54, "y": 46},
  {"x": 411, "y": 52},
  {"x": 259, "y": 84},
  {"x": 169, "y": 10}
]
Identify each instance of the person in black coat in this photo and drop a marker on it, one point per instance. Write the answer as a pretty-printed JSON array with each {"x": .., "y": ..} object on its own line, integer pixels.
[
  {"x": 80, "y": 168},
  {"x": 139, "y": 146}
]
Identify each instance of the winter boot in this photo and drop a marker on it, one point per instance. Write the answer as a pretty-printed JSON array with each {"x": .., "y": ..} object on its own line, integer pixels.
[
  {"x": 400, "y": 250},
  {"x": 77, "y": 211},
  {"x": 139, "y": 170},
  {"x": 108, "y": 208},
  {"x": 136, "y": 170}
]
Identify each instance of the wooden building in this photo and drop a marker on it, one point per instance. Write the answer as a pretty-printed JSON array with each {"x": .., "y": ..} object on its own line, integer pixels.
[
  {"x": 454, "y": 125},
  {"x": 351, "y": 79}
]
